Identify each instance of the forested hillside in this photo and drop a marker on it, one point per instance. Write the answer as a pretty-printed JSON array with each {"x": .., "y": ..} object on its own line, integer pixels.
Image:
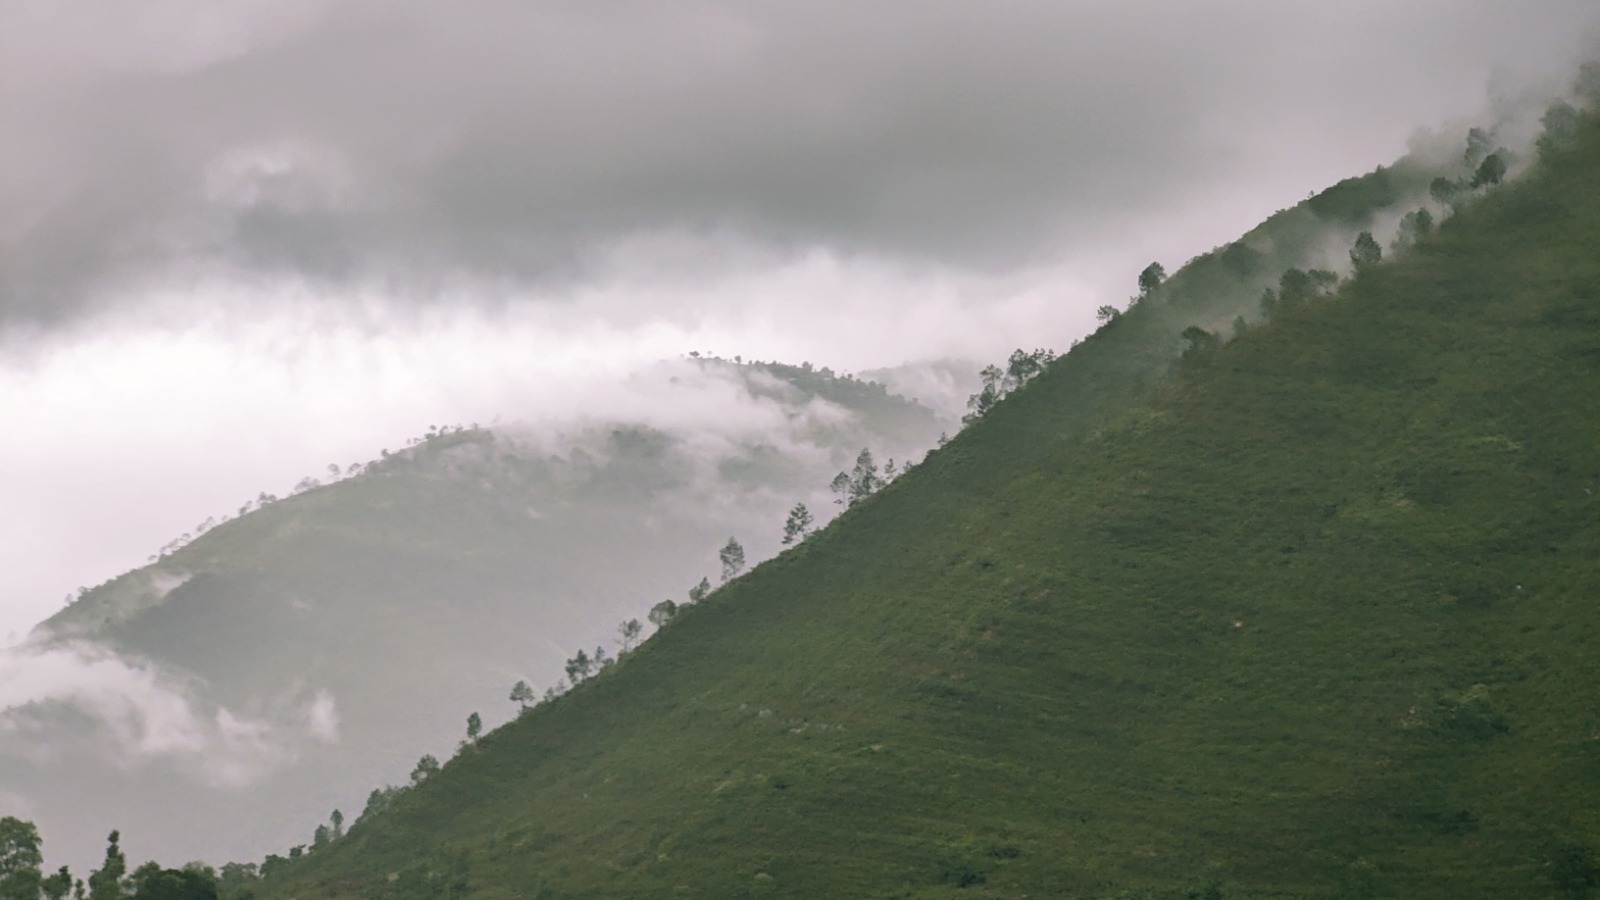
[{"x": 1313, "y": 616}]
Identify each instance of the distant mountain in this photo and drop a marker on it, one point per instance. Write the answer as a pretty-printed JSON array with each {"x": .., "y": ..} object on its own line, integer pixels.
[
  {"x": 281, "y": 664},
  {"x": 1302, "y": 608}
]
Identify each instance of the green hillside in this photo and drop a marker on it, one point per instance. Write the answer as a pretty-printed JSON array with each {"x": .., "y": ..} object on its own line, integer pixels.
[{"x": 1316, "y": 616}]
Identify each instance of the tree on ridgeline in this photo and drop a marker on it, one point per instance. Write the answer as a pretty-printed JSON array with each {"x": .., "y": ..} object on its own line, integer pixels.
[
  {"x": 59, "y": 886},
  {"x": 474, "y": 727},
  {"x": 732, "y": 557},
  {"x": 629, "y": 632},
  {"x": 700, "y": 591},
  {"x": 522, "y": 695},
  {"x": 579, "y": 667},
  {"x": 20, "y": 859},
  {"x": 427, "y": 767},
  {"x": 662, "y": 613},
  {"x": 864, "y": 478},
  {"x": 192, "y": 882},
  {"x": 109, "y": 881},
  {"x": 338, "y": 824},
  {"x": 1151, "y": 278},
  {"x": 798, "y": 524},
  {"x": 840, "y": 486}
]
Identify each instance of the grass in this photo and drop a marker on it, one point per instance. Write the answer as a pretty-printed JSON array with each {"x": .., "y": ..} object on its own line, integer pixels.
[{"x": 1315, "y": 616}]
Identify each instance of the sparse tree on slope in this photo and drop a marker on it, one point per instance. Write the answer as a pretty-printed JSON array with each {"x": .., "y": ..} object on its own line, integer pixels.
[
  {"x": 732, "y": 556},
  {"x": 864, "y": 478},
  {"x": 700, "y": 591},
  {"x": 474, "y": 727},
  {"x": 579, "y": 667},
  {"x": 798, "y": 524},
  {"x": 338, "y": 823},
  {"x": 1151, "y": 278},
  {"x": 629, "y": 632},
  {"x": 427, "y": 767},
  {"x": 840, "y": 486},
  {"x": 522, "y": 695},
  {"x": 662, "y": 613}
]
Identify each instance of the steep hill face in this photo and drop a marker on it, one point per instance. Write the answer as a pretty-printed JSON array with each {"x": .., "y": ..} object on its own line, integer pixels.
[
  {"x": 1314, "y": 617},
  {"x": 287, "y": 660}
]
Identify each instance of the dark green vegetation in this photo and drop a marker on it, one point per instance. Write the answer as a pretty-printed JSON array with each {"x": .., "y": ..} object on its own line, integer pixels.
[{"x": 1313, "y": 617}]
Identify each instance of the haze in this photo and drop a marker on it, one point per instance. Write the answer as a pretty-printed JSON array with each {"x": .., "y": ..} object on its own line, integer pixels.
[{"x": 242, "y": 241}]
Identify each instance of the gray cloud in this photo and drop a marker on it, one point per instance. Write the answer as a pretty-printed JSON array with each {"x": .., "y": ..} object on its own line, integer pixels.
[
  {"x": 429, "y": 144},
  {"x": 77, "y": 697}
]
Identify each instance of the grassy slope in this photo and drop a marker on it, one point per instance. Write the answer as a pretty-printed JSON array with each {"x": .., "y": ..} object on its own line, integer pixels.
[{"x": 1316, "y": 617}]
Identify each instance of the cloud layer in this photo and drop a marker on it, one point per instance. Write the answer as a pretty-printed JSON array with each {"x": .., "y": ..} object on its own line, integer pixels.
[
  {"x": 425, "y": 146},
  {"x": 76, "y": 698}
]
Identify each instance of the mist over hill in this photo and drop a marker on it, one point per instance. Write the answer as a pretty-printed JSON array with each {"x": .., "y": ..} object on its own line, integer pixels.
[
  {"x": 296, "y": 654},
  {"x": 1312, "y": 616}
]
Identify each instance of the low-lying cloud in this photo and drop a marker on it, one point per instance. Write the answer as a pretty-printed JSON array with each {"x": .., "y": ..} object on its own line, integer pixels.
[{"x": 62, "y": 700}]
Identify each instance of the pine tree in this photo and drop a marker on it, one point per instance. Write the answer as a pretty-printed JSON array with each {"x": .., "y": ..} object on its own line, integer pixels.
[
  {"x": 522, "y": 695},
  {"x": 732, "y": 556},
  {"x": 864, "y": 478},
  {"x": 798, "y": 525}
]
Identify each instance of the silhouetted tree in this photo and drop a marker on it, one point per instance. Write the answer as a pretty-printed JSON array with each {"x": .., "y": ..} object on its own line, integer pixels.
[
  {"x": 732, "y": 557},
  {"x": 1491, "y": 172},
  {"x": 662, "y": 613},
  {"x": 840, "y": 486},
  {"x": 427, "y": 767},
  {"x": 338, "y": 823},
  {"x": 522, "y": 695},
  {"x": 1107, "y": 314},
  {"x": 107, "y": 882},
  {"x": 151, "y": 882},
  {"x": 474, "y": 727},
  {"x": 798, "y": 524},
  {"x": 579, "y": 667},
  {"x": 320, "y": 837},
  {"x": 1151, "y": 278},
  {"x": 20, "y": 859},
  {"x": 629, "y": 632},
  {"x": 57, "y": 886},
  {"x": 700, "y": 591},
  {"x": 1366, "y": 251},
  {"x": 864, "y": 477}
]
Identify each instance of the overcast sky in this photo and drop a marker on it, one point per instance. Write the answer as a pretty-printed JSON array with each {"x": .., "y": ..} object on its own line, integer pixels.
[{"x": 241, "y": 240}]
